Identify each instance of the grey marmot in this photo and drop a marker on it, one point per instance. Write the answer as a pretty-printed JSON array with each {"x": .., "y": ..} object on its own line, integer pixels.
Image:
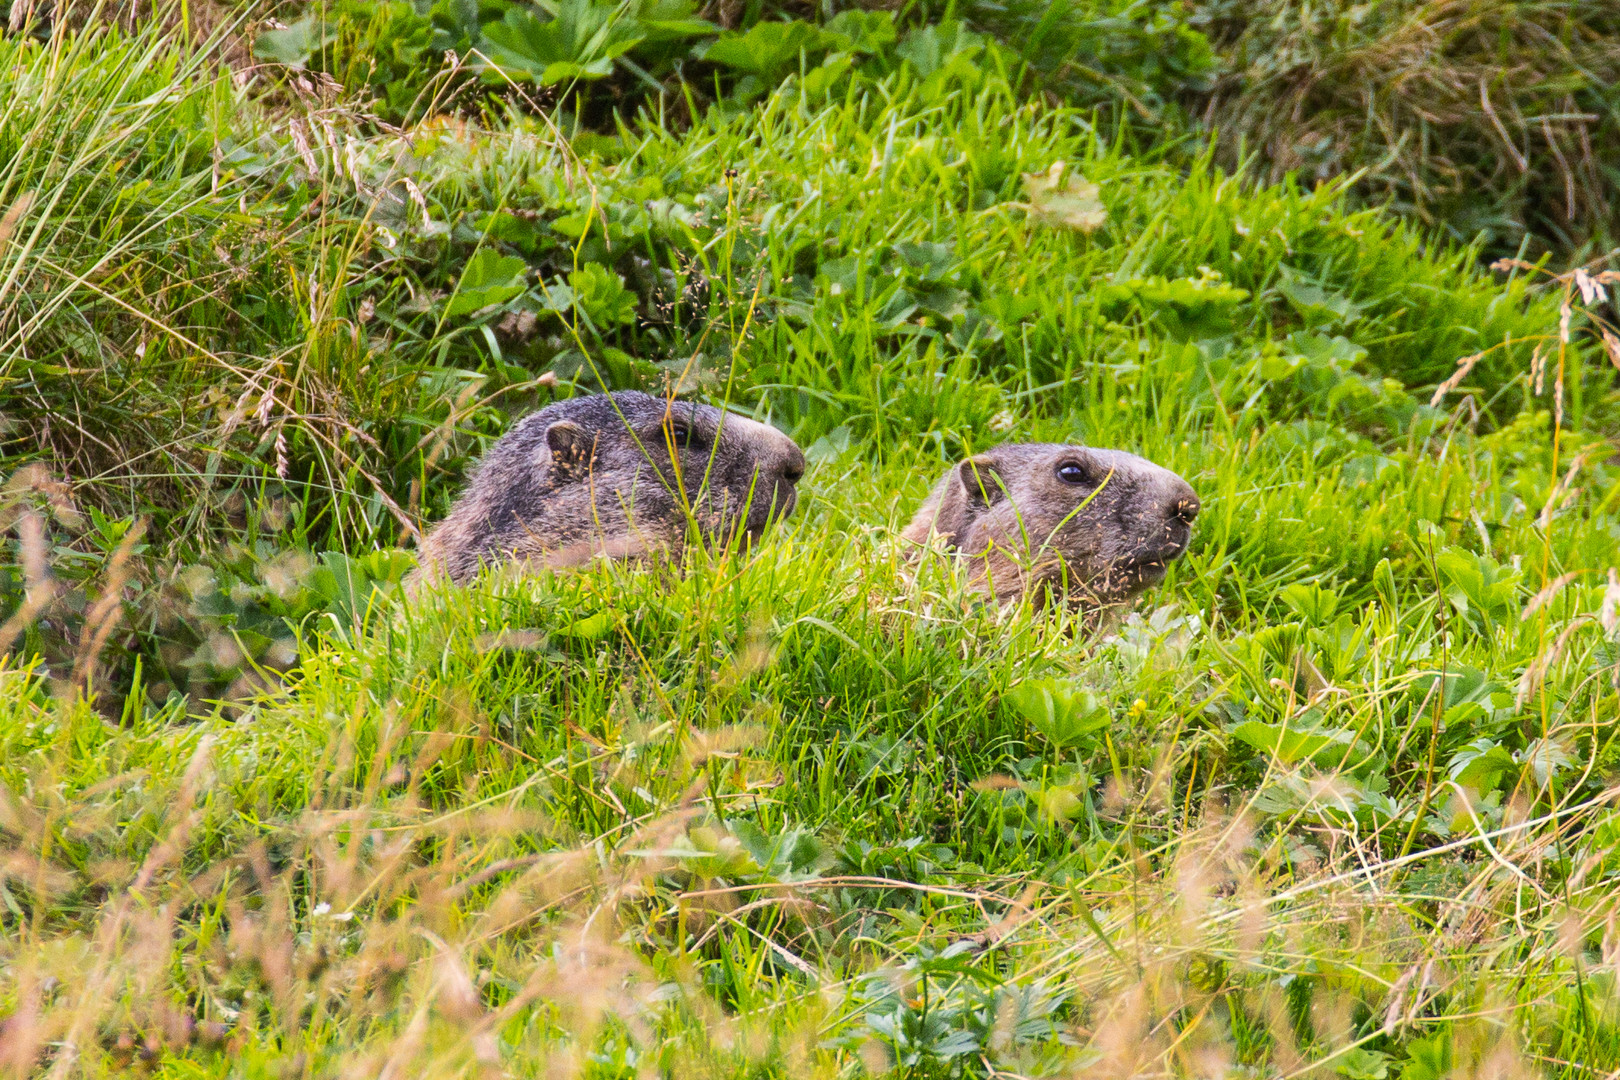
[
  {"x": 617, "y": 475},
  {"x": 1098, "y": 526}
]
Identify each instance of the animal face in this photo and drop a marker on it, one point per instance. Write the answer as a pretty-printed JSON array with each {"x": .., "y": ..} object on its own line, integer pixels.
[
  {"x": 615, "y": 475},
  {"x": 1098, "y": 524},
  {"x": 659, "y": 459}
]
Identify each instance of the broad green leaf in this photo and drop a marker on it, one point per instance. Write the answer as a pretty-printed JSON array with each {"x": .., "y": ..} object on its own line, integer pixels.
[
  {"x": 346, "y": 585},
  {"x": 579, "y": 43},
  {"x": 295, "y": 44},
  {"x": 824, "y": 78},
  {"x": 1064, "y": 714},
  {"x": 791, "y": 854},
  {"x": 1484, "y": 591},
  {"x": 1290, "y": 745},
  {"x": 1428, "y": 1059},
  {"x": 591, "y": 628},
  {"x": 768, "y": 51},
  {"x": 856, "y": 31},
  {"x": 941, "y": 49},
  {"x": 1546, "y": 758},
  {"x": 712, "y": 852},
  {"x": 1336, "y": 353},
  {"x": 488, "y": 278},
  {"x": 1481, "y": 764},
  {"x": 1317, "y": 305},
  {"x": 670, "y": 20},
  {"x": 1313, "y": 603},
  {"x": 1190, "y": 308},
  {"x": 1363, "y": 1064},
  {"x": 1060, "y": 797}
]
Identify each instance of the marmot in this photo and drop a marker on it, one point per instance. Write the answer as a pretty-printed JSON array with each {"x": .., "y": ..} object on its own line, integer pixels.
[
  {"x": 1098, "y": 526},
  {"x": 617, "y": 475}
]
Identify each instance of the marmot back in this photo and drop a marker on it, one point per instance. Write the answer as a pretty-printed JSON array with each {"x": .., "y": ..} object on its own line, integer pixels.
[
  {"x": 617, "y": 475},
  {"x": 1098, "y": 526}
]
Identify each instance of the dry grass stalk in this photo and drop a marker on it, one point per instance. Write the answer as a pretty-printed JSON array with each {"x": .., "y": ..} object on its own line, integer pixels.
[{"x": 1422, "y": 100}]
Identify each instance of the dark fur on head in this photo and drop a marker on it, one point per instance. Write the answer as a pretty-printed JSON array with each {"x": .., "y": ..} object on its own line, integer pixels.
[
  {"x": 1097, "y": 525},
  {"x": 614, "y": 474}
]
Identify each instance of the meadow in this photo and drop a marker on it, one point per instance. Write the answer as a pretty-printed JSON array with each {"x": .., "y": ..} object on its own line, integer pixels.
[{"x": 1337, "y": 799}]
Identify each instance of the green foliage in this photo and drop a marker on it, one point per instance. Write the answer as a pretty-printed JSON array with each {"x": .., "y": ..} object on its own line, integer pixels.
[
  {"x": 1134, "y": 60},
  {"x": 393, "y": 48},
  {"x": 766, "y": 52},
  {"x": 601, "y": 297},
  {"x": 448, "y": 289},
  {"x": 1428, "y": 1059},
  {"x": 1484, "y": 592},
  {"x": 487, "y": 280},
  {"x": 413, "y": 57},
  {"x": 399, "y": 49},
  {"x": 1189, "y": 308},
  {"x": 1065, "y": 716},
  {"x": 1336, "y": 795},
  {"x": 1390, "y": 94}
]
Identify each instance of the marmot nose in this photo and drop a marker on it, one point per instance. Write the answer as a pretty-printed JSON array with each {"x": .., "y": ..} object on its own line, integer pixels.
[
  {"x": 791, "y": 467},
  {"x": 1185, "y": 507}
]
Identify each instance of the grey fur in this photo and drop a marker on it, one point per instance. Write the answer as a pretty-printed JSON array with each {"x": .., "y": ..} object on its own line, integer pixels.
[
  {"x": 596, "y": 476},
  {"x": 1032, "y": 531}
]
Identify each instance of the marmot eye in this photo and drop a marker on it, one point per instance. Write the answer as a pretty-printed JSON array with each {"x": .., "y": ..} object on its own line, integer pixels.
[
  {"x": 680, "y": 435},
  {"x": 1072, "y": 472}
]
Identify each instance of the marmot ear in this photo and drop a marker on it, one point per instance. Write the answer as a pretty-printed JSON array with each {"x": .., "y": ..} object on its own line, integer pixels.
[
  {"x": 982, "y": 486},
  {"x": 571, "y": 448}
]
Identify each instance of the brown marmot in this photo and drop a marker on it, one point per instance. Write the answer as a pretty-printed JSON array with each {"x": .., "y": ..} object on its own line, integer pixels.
[
  {"x": 1097, "y": 526},
  {"x": 618, "y": 475}
]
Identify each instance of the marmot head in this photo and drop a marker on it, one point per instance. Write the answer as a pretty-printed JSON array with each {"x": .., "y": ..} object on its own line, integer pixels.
[
  {"x": 1097, "y": 525},
  {"x": 615, "y": 474}
]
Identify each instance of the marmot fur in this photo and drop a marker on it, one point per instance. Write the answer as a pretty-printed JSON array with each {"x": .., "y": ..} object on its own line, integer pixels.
[
  {"x": 616, "y": 475},
  {"x": 1096, "y": 526}
]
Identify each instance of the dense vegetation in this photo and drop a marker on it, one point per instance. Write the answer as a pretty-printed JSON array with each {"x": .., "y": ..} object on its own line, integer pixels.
[{"x": 1335, "y": 800}]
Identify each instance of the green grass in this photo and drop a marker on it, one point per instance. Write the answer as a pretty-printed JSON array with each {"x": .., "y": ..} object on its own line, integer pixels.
[
  {"x": 1489, "y": 121},
  {"x": 1335, "y": 800}
]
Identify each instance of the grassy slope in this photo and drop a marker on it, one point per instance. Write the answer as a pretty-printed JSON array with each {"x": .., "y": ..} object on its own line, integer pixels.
[{"x": 550, "y": 824}]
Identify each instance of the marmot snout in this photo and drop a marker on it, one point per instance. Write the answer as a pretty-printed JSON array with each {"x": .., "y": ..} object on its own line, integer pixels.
[
  {"x": 617, "y": 475},
  {"x": 1099, "y": 526}
]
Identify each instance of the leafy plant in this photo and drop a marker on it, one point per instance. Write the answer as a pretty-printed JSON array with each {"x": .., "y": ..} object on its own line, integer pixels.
[
  {"x": 1065, "y": 715},
  {"x": 763, "y": 812},
  {"x": 765, "y": 53},
  {"x": 487, "y": 279},
  {"x": 1188, "y": 308},
  {"x": 1484, "y": 592}
]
